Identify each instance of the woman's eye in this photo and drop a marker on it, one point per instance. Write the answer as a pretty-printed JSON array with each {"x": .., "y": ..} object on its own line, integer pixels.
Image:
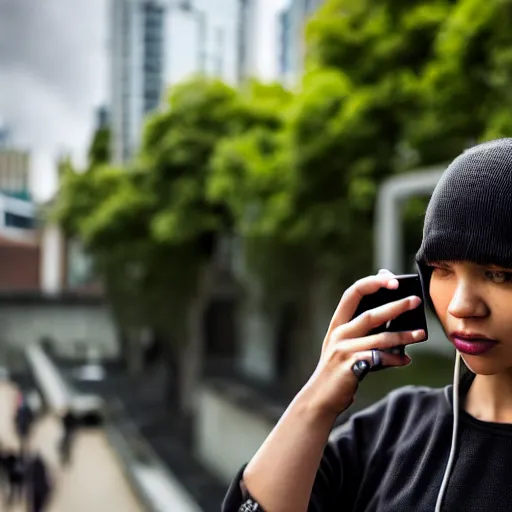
[
  {"x": 440, "y": 270},
  {"x": 499, "y": 276}
]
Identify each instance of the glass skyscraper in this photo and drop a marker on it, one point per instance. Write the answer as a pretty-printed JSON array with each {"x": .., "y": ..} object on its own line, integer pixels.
[
  {"x": 137, "y": 68},
  {"x": 153, "y": 55},
  {"x": 292, "y": 22},
  {"x": 141, "y": 46}
]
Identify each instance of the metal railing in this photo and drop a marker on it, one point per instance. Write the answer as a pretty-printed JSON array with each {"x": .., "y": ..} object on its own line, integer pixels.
[{"x": 57, "y": 393}]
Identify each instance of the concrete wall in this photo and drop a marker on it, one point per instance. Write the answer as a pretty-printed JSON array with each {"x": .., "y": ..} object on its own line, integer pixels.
[
  {"x": 51, "y": 261},
  {"x": 227, "y": 436},
  {"x": 257, "y": 351},
  {"x": 71, "y": 326},
  {"x": 257, "y": 336}
]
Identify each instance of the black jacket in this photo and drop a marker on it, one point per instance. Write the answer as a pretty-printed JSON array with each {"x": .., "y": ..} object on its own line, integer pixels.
[{"x": 391, "y": 457}]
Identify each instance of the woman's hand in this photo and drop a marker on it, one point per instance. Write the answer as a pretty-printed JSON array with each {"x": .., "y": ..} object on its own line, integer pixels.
[{"x": 332, "y": 387}]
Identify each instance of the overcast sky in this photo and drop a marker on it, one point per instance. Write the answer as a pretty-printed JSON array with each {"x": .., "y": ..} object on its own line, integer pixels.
[{"x": 53, "y": 74}]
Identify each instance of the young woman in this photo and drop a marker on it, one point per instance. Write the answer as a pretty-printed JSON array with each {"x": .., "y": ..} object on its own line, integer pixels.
[{"x": 419, "y": 449}]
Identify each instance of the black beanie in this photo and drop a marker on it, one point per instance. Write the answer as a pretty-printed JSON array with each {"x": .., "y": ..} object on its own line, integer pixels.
[{"x": 469, "y": 216}]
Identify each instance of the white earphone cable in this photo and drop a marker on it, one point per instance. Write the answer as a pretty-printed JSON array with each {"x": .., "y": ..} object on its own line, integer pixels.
[{"x": 451, "y": 458}]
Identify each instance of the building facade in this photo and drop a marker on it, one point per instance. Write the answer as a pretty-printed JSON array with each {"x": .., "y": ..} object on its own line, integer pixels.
[
  {"x": 285, "y": 47},
  {"x": 14, "y": 172},
  {"x": 102, "y": 117},
  {"x": 137, "y": 68},
  {"x": 4, "y": 135},
  {"x": 292, "y": 24},
  {"x": 19, "y": 245},
  {"x": 17, "y": 211},
  {"x": 246, "y": 39},
  {"x": 222, "y": 37},
  {"x": 17, "y": 217},
  {"x": 147, "y": 54}
]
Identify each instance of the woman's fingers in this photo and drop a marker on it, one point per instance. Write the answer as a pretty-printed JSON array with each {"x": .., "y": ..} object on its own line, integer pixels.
[
  {"x": 351, "y": 349},
  {"x": 353, "y": 295},
  {"x": 385, "y": 358},
  {"x": 384, "y": 340},
  {"x": 348, "y": 360},
  {"x": 369, "y": 320}
]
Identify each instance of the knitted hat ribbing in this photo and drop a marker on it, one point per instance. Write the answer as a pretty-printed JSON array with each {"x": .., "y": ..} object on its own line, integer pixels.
[{"x": 469, "y": 216}]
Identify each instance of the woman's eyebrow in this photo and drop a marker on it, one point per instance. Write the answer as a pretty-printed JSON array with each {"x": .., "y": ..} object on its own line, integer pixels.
[{"x": 497, "y": 267}]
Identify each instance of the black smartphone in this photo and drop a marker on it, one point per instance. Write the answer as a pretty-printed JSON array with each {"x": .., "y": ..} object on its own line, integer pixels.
[{"x": 412, "y": 320}]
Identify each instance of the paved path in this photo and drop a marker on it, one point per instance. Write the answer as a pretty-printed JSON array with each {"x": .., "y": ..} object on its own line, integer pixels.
[{"x": 93, "y": 482}]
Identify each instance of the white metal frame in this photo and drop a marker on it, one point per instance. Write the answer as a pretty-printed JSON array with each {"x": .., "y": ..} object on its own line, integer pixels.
[
  {"x": 388, "y": 233},
  {"x": 388, "y": 236}
]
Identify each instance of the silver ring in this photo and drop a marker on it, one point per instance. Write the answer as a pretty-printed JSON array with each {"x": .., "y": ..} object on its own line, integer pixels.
[
  {"x": 376, "y": 360},
  {"x": 361, "y": 369}
]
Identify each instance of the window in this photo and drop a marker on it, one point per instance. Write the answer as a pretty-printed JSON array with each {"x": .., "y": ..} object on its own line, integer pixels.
[
  {"x": 13, "y": 220},
  {"x": 151, "y": 102}
]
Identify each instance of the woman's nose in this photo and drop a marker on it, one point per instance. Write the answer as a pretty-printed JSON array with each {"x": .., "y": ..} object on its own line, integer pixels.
[{"x": 466, "y": 302}]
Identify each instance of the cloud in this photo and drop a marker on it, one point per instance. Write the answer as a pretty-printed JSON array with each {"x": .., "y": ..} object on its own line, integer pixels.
[
  {"x": 53, "y": 71},
  {"x": 53, "y": 56}
]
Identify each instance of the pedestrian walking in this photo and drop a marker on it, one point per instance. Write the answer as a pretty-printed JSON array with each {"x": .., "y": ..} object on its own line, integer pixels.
[
  {"x": 69, "y": 428},
  {"x": 4, "y": 476},
  {"x": 16, "y": 472},
  {"x": 24, "y": 419},
  {"x": 39, "y": 484}
]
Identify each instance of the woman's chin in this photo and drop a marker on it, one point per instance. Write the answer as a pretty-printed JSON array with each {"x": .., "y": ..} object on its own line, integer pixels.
[{"x": 482, "y": 366}]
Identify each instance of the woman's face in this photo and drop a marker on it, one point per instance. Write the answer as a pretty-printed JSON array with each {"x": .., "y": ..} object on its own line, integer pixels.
[{"x": 474, "y": 305}]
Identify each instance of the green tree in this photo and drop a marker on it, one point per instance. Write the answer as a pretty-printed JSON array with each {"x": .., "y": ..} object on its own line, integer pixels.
[
  {"x": 253, "y": 174},
  {"x": 391, "y": 86},
  {"x": 178, "y": 144},
  {"x": 99, "y": 150},
  {"x": 153, "y": 228},
  {"x": 303, "y": 188},
  {"x": 362, "y": 87},
  {"x": 465, "y": 85},
  {"x": 87, "y": 207}
]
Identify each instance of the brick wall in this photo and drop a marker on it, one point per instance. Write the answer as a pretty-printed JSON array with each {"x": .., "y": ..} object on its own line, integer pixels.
[{"x": 19, "y": 266}]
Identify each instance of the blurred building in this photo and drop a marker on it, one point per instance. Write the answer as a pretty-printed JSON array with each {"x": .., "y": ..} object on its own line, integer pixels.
[
  {"x": 65, "y": 266},
  {"x": 19, "y": 241},
  {"x": 35, "y": 256},
  {"x": 14, "y": 169},
  {"x": 285, "y": 48},
  {"x": 141, "y": 38},
  {"x": 19, "y": 245},
  {"x": 137, "y": 48},
  {"x": 4, "y": 135},
  {"x": 229, "y": 38},
  {"x": 292, "y": 23},
  {"x": 48, "y": 288},
  {"x": 19, "y": 265},
  {"x": 102, "y": 117},
  {"x": 48, "y": 292},
  {"x": 246, "y": 39},
  {"x": 17, "y": 211},
  {"x": 221, "y": 39},
  {"x": 17, "y": 218}
]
